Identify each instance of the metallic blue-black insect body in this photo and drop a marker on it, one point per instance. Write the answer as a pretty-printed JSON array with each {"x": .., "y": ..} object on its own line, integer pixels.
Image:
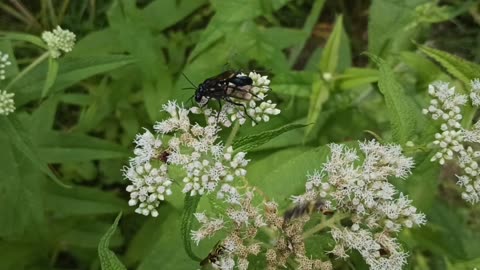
[{"x": 227, "y": 86}]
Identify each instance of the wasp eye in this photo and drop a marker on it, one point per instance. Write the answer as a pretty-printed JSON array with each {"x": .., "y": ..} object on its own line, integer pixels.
[{"x": 198, "y": 97}]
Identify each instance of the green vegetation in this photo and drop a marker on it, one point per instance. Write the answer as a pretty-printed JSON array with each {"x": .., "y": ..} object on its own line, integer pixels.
[{"x": 341, "y": 72}]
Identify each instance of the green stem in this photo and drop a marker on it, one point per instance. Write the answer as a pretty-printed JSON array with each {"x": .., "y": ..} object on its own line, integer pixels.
[
  {"x": 468, "y": 117},
  {"x": 327, "y": 223},
  {"x": 233, "y": 133},
  {"x": 28, "y": 69}
]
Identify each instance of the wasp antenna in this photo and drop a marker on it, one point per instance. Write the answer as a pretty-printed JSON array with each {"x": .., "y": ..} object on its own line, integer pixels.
[
  {"x": 188, "y": 88},
  {"x": 190, "y": 99},
  {"x": 189, "y": 80}
]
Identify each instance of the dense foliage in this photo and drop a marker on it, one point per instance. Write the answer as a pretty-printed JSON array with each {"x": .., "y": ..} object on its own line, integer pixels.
[{"x": 383, "y": 90}]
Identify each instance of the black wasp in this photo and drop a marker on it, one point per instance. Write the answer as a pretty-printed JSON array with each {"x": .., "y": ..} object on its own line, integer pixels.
[{"x": 227, "y": 86}]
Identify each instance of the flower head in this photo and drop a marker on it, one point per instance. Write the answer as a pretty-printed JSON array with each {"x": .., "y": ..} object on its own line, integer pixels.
[
  {"x": 149, "y": 186},
  {"x": 362, "y": 191},
  {"x": 202, "y": 164},
  {"x": 451, "y": 141},
  {"x": 7, "y": 105},
  {"x": 59, "y": 40},
  {"x": 4, "y": 62},
  {"x": 244, "y": 220}
]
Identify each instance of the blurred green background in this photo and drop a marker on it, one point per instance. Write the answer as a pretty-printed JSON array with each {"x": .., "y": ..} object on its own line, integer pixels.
[{"x": 129, "y": 60}]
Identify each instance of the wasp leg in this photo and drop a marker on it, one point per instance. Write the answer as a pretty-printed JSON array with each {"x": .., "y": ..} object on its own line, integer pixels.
[
  {"x": 191, "y": 101},
  {"x": 242, "y": 90},
  {"x": 244, "y": 108}
]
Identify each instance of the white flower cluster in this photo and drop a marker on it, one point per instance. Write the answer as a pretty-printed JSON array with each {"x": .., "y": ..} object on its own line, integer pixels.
[
  {"x": 7, "y": 105},
  {"x": 193, "y": 149},
  {"x": 149, "y": 187},
  {"x": 253, "y": 102},
  {"x": 245, "y": 220},
  {"x": 452, "y": 142},
  {"x": 4, "y": 62},
  {"x": 59, "y": 40},
  {"x": 370, "y": 247},
  {"x": 363, "y": 191}
]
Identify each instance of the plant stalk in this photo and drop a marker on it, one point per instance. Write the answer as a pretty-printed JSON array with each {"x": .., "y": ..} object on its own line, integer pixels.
[
  {"x": 327, "y": 223},
  {"x": 28, "y": 69},
  {"x": 232, "y": 135}
]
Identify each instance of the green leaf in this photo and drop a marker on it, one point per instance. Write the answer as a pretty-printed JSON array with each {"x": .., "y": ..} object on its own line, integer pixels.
[
  {"x": 51, "y": 75},
  {"x": 21, "y": 197},
  {"x": 24, "y": 37},
  {"x": 71, "y": 71},
  {"x": 41, "y": 121},
  {"x": 319, "y": 96},
  {"x": 21, "y": 254},
  {"x": 100, "y": 42},
  {"x": 82, "y": 201},
  {"x": 293, "y": 83},
  {"x": 456, "y": 66},
  {"x": 19, "y": 138},
  {"x": 250, "y": 142},
  {"x": 283, "y": 178},
  {"x": 236, "y": 11},
  {"x": 108, "y": 260},
  {"x": 422, "y": 185},
  {"x": 144, "y": 240},
  {"x": 151, "y": 96},
  {"x": 283, "y": 37},
  {"x": 189, "y": 208},
  {"x": 445, "y": 229},
  {"x": 330, "y": 61},
  {"x": 355, "y": 77},
  {"x": 468, "y": 265},
  {"x": 159, "y": 15},
  {"x": 308, "y": 26},
  {"x": 426, "y": 70},
  {"x": 401, "y": 108},
  {"x": 168, "y": 251},
  {"x": 387, "y": 22},
  {"x": 84, "y": 232},
  {"x": 59, "y": 147}
]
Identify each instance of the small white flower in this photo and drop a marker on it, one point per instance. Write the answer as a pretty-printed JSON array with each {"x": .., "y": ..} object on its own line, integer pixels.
[
  {"x": 59, "y": 40},
  {"x": 7, "y": 105},
  {"x": 4, "y": 62}
]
